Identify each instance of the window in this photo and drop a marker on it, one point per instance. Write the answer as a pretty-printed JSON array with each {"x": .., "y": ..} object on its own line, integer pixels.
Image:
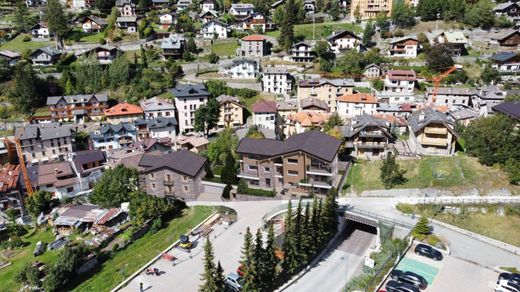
[
  {"x": 292, "y": 160},
  {"x": 252, "y": 167},
  {"x": 168, "y": 177},
  {"x": 151, "y": 175},
  {"x": 185, "y": 188},
  {"x": 268, "y": 182},
  {"x": 70, "y": 189},
  {"x": 153, "y": 186},
  {"x": 292, "y": 172},
  {"x": 267, "y": 169}
]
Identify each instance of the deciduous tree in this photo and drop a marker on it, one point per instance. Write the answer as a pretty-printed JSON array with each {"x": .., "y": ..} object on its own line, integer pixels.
[
  {"x": 207, "y": 116},
  {"x": 115, "y": 187}
]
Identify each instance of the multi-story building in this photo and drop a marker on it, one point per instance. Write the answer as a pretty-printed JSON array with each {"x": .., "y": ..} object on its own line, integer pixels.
[
  {"x": 208, "y": 5},
  {"x": 77, "y": 108},
  {"x": 303, "y": 121},
  {"x": 366, "y": 9},
  {"x": 44, "y": 142},
  {"x": 253, "y": 46},
  {"x": 327, "y": 90},
  {"x": 10, "y": 57},
  {"x": 400, "y": 81},
  {"x": 302, "y": 52},
  {"x": 123, "y": 113},
  {"x": 241, "y": 69},
  {"x": 510, "y": 9},
  {"x": 351, "y": 105},
  {"x": 127, "y": 23},
  {"x": 367, "y": 137},
  {"x": 406, "y": 47},
  {"x": 45, "y": 56},
  {"x": 161, "y": 127},
  {"x": 114, "y": 136},
  {"x": 277, "y": 80},
  {"x": 188, "y": 98},
  {"x": 344, "y": 40},
  {"x": 455, "y": 40},
  {"x": 90, "y": 24},
  {"x": 89, "y": 166},
  {"x": 40, "y": 31},
  {"x": 506, "y": 62},
  {"x": 125, "y": 7},
  {"x": 431, "y": 133},
  {"x": 57, "y": 178},
  {"x": 487, "y": 98},
  {"x": 509, "y": 39},
  {"x": 156, "y": 107},
  {"x": 105, "y": 54},
  {"x": 450, "y": 96},
  {"x": 11, "y": 194},
  {"x": 231, "y": 111},
  {"x": 373, "y": 71},
  {"x": 173, "y": 46},
  {"x": 265, "y": 114},
  {"x": 214, "y": 29},
  {"x": 304, "y": 163},
  {"x": 241, "y": 9},
  {"x": 183, "y": 4}
]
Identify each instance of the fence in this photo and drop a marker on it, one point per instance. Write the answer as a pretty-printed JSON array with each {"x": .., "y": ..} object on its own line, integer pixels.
[
  {"x": 468, "y": 200},
  {"x": 376, "y": 216}
]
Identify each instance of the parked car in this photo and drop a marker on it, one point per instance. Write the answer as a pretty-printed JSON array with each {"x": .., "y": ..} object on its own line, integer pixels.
[
  {"x": 394, "y": 286},
  {"x": 506, "y": 286},
  {"x": 39, "y": 249},
  {"x": 428, "y": 251},
  {"x": 409, "y": 277},
  {"x": 511, "y": 277},
  {"x": 234, "y": 282}
]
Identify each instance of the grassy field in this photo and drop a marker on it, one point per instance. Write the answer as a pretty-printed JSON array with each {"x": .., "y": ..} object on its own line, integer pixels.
[
  {"x": 321, "y": 30},
  {"x": 248, "y": 102},
  {"x": 25, "y": 256},
  {"x": 18, "y": 45},
  {"x": 127, "y": 261},
  {"x": 224, "y": 49},
  {"x": 93, "y": 38},
  {"x": 458, "y": 173}
]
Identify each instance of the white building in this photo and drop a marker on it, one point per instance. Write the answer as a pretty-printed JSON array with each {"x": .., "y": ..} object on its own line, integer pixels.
[
  {"x": 265, "y": 115},
  {"x": 166, "y": 18},
  {"x": 351, "y": 105},
  {"x": 156, "y": 107},
  {"x": 401, "y": 81},
  {"x": 214, "y": 29},
  {"x": 406, "y": 47},
  {"x": 506, "y": 62},
  {"x": 344, "y": 40},
  {"x": 277, "y": 80},
  {"x": 157, "y": 128},
  {"x": 207, "y": 5},
  {"x": 40, "y": 31},
  {"x": 241, "y": 69},
  {"x": 241, "y": 9},
  {"x": 450, "y": 96},
  {"x": 373, "y": 71},
  {"x": 188, "y": 98},
  {"x": 302, "y": 52}
]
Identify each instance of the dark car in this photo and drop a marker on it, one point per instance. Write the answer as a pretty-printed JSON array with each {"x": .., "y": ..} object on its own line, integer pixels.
[
  {"x": 510, "y": 277},
  {"x": 428, "y": 251},
  {"x": 409, "y": 277},
  {"x": 394, "y": 286}
]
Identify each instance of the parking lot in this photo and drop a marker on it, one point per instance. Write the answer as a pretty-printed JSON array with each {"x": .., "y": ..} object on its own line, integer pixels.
[{"x": 450, "y": 274}]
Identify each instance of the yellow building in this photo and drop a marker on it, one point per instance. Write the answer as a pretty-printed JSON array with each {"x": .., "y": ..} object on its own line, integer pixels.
[
  {"x": 370, "y": 8},
  {"x": 326, "y": 90},
  {"x": 231, "y": 111}
]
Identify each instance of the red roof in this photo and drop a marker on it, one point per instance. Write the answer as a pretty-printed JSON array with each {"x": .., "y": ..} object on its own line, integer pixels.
[
  {"x": 264, "y": 107},
  {"x": 123, "y": 109},
  {"x": 254, "y": 38},
  {"x": 358, "y": 98},
  {"x": 9, "y": 177},
  {"x": 401, "y": 75}
]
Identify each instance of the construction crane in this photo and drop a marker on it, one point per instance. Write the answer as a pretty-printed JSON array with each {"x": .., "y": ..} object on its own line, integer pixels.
[
  {"x": 21, "y": 160},
  {"x": 437, "y": 81}
]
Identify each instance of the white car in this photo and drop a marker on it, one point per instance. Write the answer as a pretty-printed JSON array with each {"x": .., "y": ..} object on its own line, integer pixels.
[{"x": 506, "y": 286}]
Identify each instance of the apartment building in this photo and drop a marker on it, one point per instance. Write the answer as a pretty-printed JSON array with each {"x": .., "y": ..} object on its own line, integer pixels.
[
  {"x": 57, "y": 178},
  {"x": 431, "y": 133},
  {"x": 368, "y": 137},
  {"x": 351, "y": 105},
  {"x": 173, "y": 46},
  {"x": 253, "y": 46},
  {"x": 406, "y": 47},
  {"x": 114, "y": 136},
  {"x": 11, "y": 195},
  {"x": 302, "y": 52},
  {"x": 277, "y": 80},
  {"x": 366, "y": 9},
  {"x": 400, "y": 81},
  {"x": 231, "y": 111},
  {"x": 161, "y": 127},
  {"x": 188, "y": 98},
  {"x": 44, "y": 142},
  {"x": 241, "y": 69},
  {"x": 327, "y": 90},
  {"x": 123, "y": 113},
  {"x": 451, "y": 96},
  {"x": 156, "y": 107},
  {"x": 77, "y": 108},
  {"x": 303, "y": 164}
]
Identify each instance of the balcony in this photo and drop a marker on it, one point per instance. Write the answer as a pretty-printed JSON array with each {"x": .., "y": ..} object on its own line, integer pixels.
[
  {"x": 168, "y": 182},
  {"x": 434, "y": 130},
  {"x": 371, "y": 134},
  {"x": 319, "y": 170},
  {"x": 311, "y": 182},
  {"x": 434, "y": 142},
  {"x": 374, "y": 145},
  {"x": 248, "y": 175}
]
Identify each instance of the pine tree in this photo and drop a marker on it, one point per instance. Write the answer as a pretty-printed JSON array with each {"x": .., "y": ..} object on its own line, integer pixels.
[
  {"x": 54, "y": 15},
  {"x": 270, "y": 260},
  {"x": 314, "y": 226},
  {"x": 287, "y": 27},
  {"x": 391, "y": 174},
  {"x": 368, "y": 33},
  {"x": 422, "y": 228},
  {"x": 298, "y": 225},
  {"x": 247, "y": 254},
  {"x": 229, "y": 171},
  {"x": 330, "y": 217},
  {"x": 288, "y": 240},
  {"x": 24, "y": 94},
  {"x": 257, "y": 269},
  {"x": 306, "y": 234},
  {"x": 21, "y": 16},
  {"x": 208, "y": 276},
  {"x": 220, "y": 280}
]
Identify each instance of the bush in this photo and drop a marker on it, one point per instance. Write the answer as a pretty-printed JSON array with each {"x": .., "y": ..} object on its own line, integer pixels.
[
  {"x": 226, "y": 192},
  {"x": 213, "y": 58},
  {"x": 26, "y": 38},
  {"x": 242, "y": 187},
  {"x": 157, "y": 224},
  {"x": 103, "y": 41}
]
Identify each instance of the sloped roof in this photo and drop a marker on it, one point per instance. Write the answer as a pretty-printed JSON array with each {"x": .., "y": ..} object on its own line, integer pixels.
[
  {"x": 401, "y": 75},
  {"x": 123, "y": 109},
  {"x": 43, "y": 131},
  {"x": 287, "y": 105},
  {"x": 503, "y": 56},
  {"x": 420, "y": 119},
  {"x": 341, "y": 34},
  {"x": 321, "y": 82},
  {"x": 47, "y": 50},
  {"x": 156, "y": 104},
  {"x": 109, "y": 129},
  {"x": 76, "y": 99},
  {"x": 275, "y": 70},
  {"x": 453, "y": 91},
  {"x": 403, "y": 39},
  {"x": 50, "y": 173},
  {"x": 455, "y": 37},
  {"x": 503, "y": 35},
  {"x": 264, "y": 106},
  {"x": 511, "y": 109},
  {"x": 9, "y": 176},
  {"x": 157, "y": 123},
  {"x": 183, "y": 161},
  {"x": 504, "y": 6},
  {"x": 361, "y": 122},
  {"x": 95, "y": 19},
  {"x": 358, "y": 98},
  {"x": 309, "y": 118},
  {"x": 314, "y": 143},
  {"x": 173, "y": 41},
  {"x": 190, "y": 90},
  {"x": 83, "y": 157},
  {"x": 254, "y": 37},
  {"x": 314, "y": 102},
  {"x": 10, "y": 54}
]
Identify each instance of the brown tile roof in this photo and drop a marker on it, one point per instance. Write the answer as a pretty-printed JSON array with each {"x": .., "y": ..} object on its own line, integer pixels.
[
  {"x": 264, "y": 106},
  {"x": 309, "y": 118},
  {"x": 123, "y": 109},
  {"x": 9, "y": 175},
  {"x": 401, "y": 75},
  {"x": 253, "y": 38},
  {"x": 358, "y": 98}
]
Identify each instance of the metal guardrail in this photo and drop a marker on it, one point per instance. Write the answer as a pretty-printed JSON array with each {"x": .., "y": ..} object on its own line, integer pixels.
[
  {"x": 477, "y": 200},
  {"x": 355, "y": 211}
]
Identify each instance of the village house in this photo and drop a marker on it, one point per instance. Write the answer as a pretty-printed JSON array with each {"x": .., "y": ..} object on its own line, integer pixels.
[
  {"x": 451, "y": 96},
  {"x": 302, "y": 164},
  {"x": 402, "y": 81},
  {"x": 506, "y": 62},
  {"x": 302, "y": 52},
  {"x": 241, "y": 69},
  {"x": 511, "y": 109},
  {"x": 394, "y": 109},
  {"x": 150, "y": 145},
  {"x": 370, "y": 9},
  {"x": 286, "y": 108},
  {"x": 156, "y": 107},
  {"x": 214, "y": 29},
  {"x": 455, "y": 40},
  {"x": 90, "y": 24},
  {"x": 208, "y": 5},
  {"x": 327, "y": 90},
  {"x": 125, "y": 7},
  {"x": 45, "y": 56},
  {"x": 173, "y": 46},
  {"x": 160, "y": 4},
  {"x": 110, "y": 137},
  {"x": 265, "y": 115},
  {"x": 10, "y": 57},
  {"x": 344, "y": 40},
  {"x": 231, "y": 111},
  {"x": 44, "y": 142},
  {"x": 105, "y": 54},
  {"x": 303, "y": 121},
  {"x": 351, "y": 105},
  {"x": 128, "y": 23},
  {"x": 241, "y": 9},
  {"x": 183, "y": 4},
  {"x": 406, "y": 47},
  {"x": 510, "y": 9},
  {"x": 194, "y": 144},
  {"x": 255, "y": 22},
  {"x": 11, "y": 193},
  {"x": 253, "y": 46},
  {"x": 277, "y": 80},
  {"x": 166, "y": 19},
  {"x": 57, "y": 178},
  {"x": 367, "y": 137},
  {"x": 161, "y": 127},
  {"x": 487, "y": 98},
  {"x": 89, "y": 166},
  {"x": 207, "y": 16},
  {"x": 40, "y": 31},
  {"x": 373, "y": 71},
  {"x": 508, "y": 38},
  {"x": 188, "y": 98},
  {"x": 123, "y": 113},
  {"x": 77, "y": 108},
  {"x": 431, "y": 133},
  {"x": 463, "y": 115}
]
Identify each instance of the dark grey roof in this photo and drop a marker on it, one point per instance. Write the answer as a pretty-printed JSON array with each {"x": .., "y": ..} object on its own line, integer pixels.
[
  {"x": 420, "y": 119},
  {"x": 87, "y": 156},
  {"x": 190, "y": 90},
  {"x": 173, "y": 41},
  {"x": 47, "y": 50},
  {"x": 314, "y": 143},
  {"x": 276, "y": 70},
  {"x": 43, "y": 131},
  {"x": 361, "y": 122},
  {"x": 463, "y": 114},
  {"x": 504, "y": 6},
  {"x": 215, "y": 21},
  {"x": 182, "y": 161},
  {"x": 95, "y": 19},
  {"x": 314, "y": 102},
  {"x": 492, "y": 92},
  {"x": 157, "y": 123},
  {"x": 453, "y": 91},
  {"x": 340, "y": 34},
  {"x": 511, "y": 109},
  {"x": 75, "y": 99},
  {"x": 503, "y": 56},
  {"x": 109, "y": 129}
]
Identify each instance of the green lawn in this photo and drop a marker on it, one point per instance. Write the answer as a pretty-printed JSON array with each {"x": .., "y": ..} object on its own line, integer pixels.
[
  {"x": 129, "y": 260},
  {"x": 25, "y": 256},
  {"x": 18, "y": 45},
  {"x": 93, "y": 38},
  {"x": 248, "y": 102},
  {"x": 224, "y": 48},
  {"x": 320, "y": 30},
  {"x": 458, "y": 173}
]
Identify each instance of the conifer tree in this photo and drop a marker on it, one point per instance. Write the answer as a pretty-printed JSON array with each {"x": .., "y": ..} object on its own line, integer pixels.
[
  {"x": 247, "y": 254},
  {"x": 288, "y": 243},
  {"x": 220, "y": 280},
  {"x": 209, "y": 283},
  {"x": 314, "y": 227},
  {"x": 287, "y": 27},
  {"x": 270, "y": 260},
  {"x": 298, "y": 224},
  {"x": 330, "y": 217},
  {"x": 306, "y": 234}
]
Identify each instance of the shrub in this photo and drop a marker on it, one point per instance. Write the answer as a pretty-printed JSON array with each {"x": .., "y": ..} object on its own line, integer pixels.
[
  {"x": 226, "y": 192},
  {"x": 103, "y": 41},
  {"x": 157, "y": 224},
  {"x": 242, "y": 187},
  {"x": 213, "y": 58},
  {"x": 26, "y": 38}
]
